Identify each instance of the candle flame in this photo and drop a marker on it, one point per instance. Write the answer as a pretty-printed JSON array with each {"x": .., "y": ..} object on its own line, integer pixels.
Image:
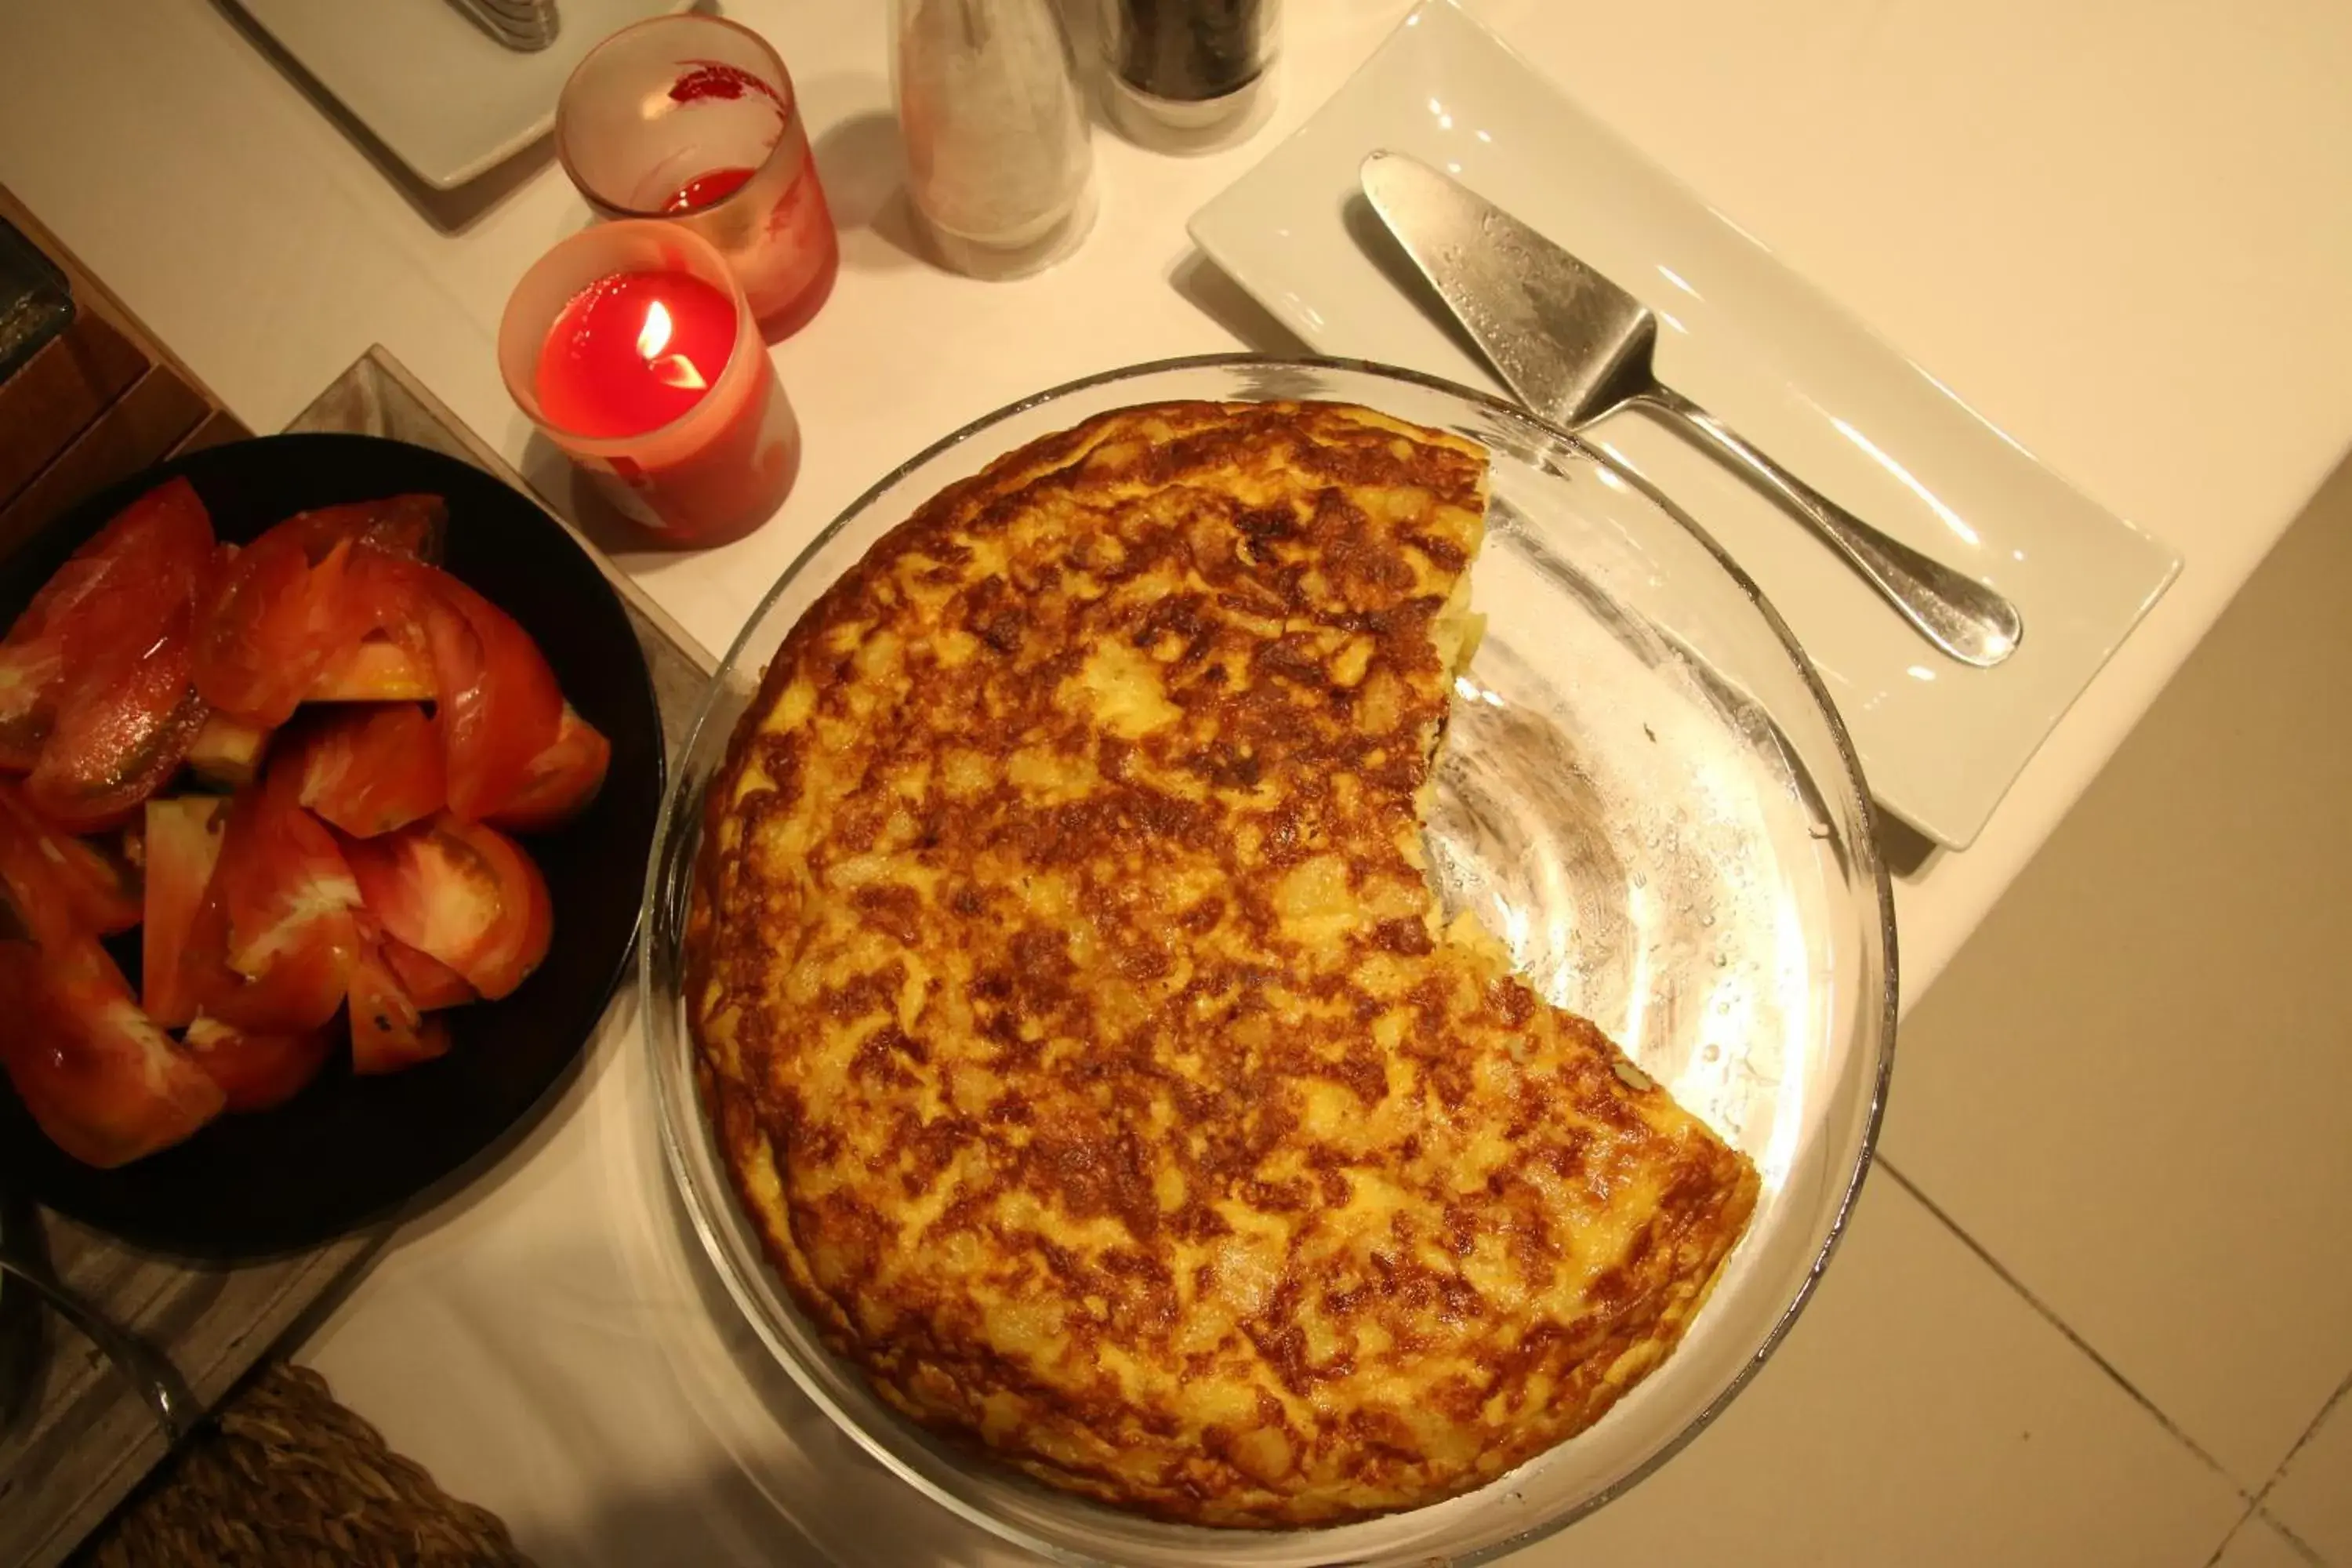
[
  {"x": 654, "y": 336},
  {"x": 670, "y": 370},
  {"x": 676, "y": 370}
]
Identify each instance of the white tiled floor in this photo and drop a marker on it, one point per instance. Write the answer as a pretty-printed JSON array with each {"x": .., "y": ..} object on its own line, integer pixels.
[
  {"x": 2100, "y": 1289},
  {"x": 1921, "y": 1412},
  {"x": 2131, "y": 1087}
]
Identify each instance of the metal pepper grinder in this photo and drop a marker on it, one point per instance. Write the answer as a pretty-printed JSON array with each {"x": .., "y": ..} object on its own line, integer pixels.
[{"x": 1188, "y": 75}]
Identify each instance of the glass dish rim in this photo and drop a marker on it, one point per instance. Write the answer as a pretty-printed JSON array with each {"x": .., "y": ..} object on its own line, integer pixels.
[{"x": 1866, "y": 851}]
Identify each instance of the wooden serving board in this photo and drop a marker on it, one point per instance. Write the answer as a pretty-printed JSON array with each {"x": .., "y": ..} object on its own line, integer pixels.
[{"x": 80, "y": 1441}]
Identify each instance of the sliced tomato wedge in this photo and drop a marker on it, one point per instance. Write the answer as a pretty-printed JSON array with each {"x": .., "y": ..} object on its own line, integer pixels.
[
  {"x": 496, "y": 700},
  {"x": 124, "y": 580},
  {"x": 432, "y": 984},
  {"x": 285, "y": 610},
  {"x": 184, "y": 839},
  {"x": 102, "y": 1080},
  {"x": 273, "y": 620},
  {"x": 389, "y": 1029},
  {"x": 256, "y": 1071},
  {"x": 61, "y": 884},
  {"x": 370, "y": 769},
  {"x": 377, "y": 668},
  {"x": 30, "y": 673},
  {"x": 563, "y": 780},
  {"x": 227, "y": 752},
  {"x": 496, "y": 703},
  {"x": 463, "y": 893},
  {"x": 499, "y": 706},
  {"x": 120, "y": 731},
  {"x": 409, "y": 525},
  {"x": 272, "y": 944}
]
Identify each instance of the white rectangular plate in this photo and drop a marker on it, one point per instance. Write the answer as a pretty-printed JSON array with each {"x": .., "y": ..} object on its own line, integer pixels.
[
  {"x": 449, "y": 100},
  {"x": 1940, "y": 742}
]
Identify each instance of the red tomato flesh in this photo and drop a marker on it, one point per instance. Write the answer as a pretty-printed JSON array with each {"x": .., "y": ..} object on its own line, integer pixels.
[
  {"x": 563, "y": 780},
  {"x": 256, "y": 1071},
  {"x": 183, "y": 844},
  {"x": 367, "y": 771},
  {"x": 272, "y": 622},
  {"x": 125, "y": 579},
  {"x": 389, "y": 1029},
  {"x": 104, "y": 1083},
  {"x": 122, "y": 732},
  {"x": 409, "y": 525},
  {"x": 59, "y": 885},
  {"x": 286, "y": 610},
  {"x": 461, "y": 892},
  {"x": 272, "y": 944},
  {"x": 432, "y": 984}
]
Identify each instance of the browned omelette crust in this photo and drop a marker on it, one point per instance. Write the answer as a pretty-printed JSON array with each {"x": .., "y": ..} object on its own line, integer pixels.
[{"x": 1076, "y": 1015}]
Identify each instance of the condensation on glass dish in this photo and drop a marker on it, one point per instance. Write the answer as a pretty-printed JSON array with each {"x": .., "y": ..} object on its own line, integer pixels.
[{"x": 1615, "y": 830}]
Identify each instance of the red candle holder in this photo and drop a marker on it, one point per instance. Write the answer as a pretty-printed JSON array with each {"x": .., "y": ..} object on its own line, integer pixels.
[
  {"x": 633, "y": 348},
  {"x": 692, "y": 119}
]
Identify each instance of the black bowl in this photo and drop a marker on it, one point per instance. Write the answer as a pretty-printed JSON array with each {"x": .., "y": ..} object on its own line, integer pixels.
[{"x": 349, "y": 1150}]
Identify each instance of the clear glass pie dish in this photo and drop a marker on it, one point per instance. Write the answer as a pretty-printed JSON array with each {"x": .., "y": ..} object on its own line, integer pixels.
[{"x": 1643, "y": 791}]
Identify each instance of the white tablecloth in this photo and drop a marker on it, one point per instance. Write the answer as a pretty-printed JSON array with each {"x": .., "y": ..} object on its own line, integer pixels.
[{"x": 2122, "y": 233}]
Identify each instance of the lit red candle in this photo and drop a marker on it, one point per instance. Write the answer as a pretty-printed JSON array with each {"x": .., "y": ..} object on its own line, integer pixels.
[
  {"x": 693, "y": 119},
  {"x": 633, "y": 350}
]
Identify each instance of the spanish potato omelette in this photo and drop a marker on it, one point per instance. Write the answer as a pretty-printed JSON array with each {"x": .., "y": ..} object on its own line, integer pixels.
[{"x": 1081, "y": 1029}]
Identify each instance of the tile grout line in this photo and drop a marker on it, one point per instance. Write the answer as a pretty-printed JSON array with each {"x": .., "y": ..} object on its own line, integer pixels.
[
  {"x": 2059, "y": 1323},
  {"x": 2301, "y": 1546},
  {"x": 2234, "y": 1532}
]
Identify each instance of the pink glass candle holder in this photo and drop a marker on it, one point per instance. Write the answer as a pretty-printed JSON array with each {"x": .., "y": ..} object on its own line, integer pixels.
[
  {"x": 617, "y": 344},
  {"x": 693, "y": 120}
]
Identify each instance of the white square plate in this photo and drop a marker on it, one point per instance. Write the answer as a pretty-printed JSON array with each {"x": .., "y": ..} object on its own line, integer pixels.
[
  {"x": 1940, "y": 742},
  {"x": 449, "y": 100}
]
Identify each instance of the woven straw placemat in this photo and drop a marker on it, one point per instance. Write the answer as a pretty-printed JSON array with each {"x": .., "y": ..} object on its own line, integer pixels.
[{"x": 284, "y": 1477}]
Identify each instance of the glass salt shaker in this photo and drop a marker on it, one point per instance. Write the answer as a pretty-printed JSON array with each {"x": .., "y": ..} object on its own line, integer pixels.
[{"x": 999, "y": 163}]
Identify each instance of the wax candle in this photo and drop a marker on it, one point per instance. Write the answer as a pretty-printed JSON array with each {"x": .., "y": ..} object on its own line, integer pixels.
[
  {"x": 694, "y": 119},
  {"x": 707, "y": 190},
  {"x": 633, "y": 350}
]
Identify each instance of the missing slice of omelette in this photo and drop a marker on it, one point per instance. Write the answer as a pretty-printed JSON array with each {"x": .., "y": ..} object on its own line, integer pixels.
[{"x": 1078, "y": 1018}]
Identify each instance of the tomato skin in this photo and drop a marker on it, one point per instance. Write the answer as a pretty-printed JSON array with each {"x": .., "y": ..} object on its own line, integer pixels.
[
  {"x": 104, "y": 1083},
  {"x": 562, "y": 781},
  {"x": 499, "y": 705},
  {"x": 30, "y": 673},
  {"x": 121, "y": 732},
  {"x": 256, "y": 1071},
  {"x": 406, "y": 525},
  {"x": 183, "y": 845},
  {"x": 366, "y": 771},
  {"x": 430, "y": 982},
  {"x": 272, "y": 944},
  {"x": 461, "y": 892},
  {"x": 124, "y": 579},
  {"x": 283, "y": 611},
  {"x": 495, "y": 701},
  {"x": 272, "y": 620}
]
